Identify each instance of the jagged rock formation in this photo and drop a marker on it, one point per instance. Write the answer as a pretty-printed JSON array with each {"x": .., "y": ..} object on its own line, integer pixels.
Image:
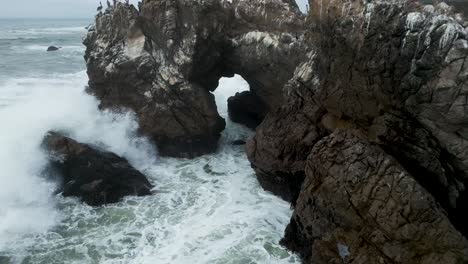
[
  {"x": 359, "y": 205},
  {"x": 366, "y": 130},
  {"x": 395, "y": 71},
  {"x": 163, "y": 60},
  {"x": 97, "y": 177}
]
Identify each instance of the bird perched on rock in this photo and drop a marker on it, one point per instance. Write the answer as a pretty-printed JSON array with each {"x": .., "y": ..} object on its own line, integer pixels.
[{"x": 99, "y": 9}]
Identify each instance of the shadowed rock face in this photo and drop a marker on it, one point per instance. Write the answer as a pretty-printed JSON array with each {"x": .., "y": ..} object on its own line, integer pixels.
[
  {"x": 96, "y": 177},
  {"x": 394, "y": 70},
  {"x": 366, "y": 111},
  {"x": 163, "y": 60},
  {"x": 246, "y": 108}
]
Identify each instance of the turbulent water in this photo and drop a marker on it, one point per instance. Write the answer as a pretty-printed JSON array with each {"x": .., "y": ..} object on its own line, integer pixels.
[{"x": 207, "y": 210}]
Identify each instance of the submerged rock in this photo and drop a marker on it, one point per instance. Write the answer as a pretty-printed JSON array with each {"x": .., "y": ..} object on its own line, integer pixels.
[
  {"x": 53, "y": 48},
  {"x": 238, "y": 142},
  {"x": 95, "y": 176}
]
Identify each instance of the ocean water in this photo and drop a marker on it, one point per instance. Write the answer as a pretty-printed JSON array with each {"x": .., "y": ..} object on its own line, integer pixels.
[{"x": 207, "y": 210}]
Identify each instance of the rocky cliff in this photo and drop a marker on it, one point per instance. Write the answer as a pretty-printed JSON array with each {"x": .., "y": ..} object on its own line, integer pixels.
[{"x": 366, "y": 129}]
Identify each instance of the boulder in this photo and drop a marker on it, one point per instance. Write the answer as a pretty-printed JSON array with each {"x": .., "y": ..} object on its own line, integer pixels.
[
  {"x": 96, "y": 176},
  {"x": 53, "y": 48},
  {"x": 246, "y": 108}
]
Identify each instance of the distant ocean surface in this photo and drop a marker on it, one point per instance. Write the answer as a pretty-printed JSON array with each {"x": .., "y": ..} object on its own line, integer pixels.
[{"x": 207, "y": 210}]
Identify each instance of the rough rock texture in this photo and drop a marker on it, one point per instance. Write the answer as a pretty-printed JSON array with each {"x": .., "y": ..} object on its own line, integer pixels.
[
  {"x": 95, "y": 176},
  {"x": 246, "y": 108},
  {"x": 359, "y": 205},
  {"x": 395, "y": 70},
  {"x": 163, "y": 60}
]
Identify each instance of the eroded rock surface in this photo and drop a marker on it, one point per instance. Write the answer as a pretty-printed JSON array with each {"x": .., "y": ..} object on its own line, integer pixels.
[
  {"x": 97, "y": 177},
  {"x": 395, "y": 70},
  {"x": 163, "y": 60},
  {"x": 359, "y": 205}
]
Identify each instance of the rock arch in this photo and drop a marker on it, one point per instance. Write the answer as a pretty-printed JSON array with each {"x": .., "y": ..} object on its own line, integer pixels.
[{"x": 163, "y": 60}]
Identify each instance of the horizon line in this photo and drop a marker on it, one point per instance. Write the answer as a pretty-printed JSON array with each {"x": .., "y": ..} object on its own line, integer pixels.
[{"x": 91, "y": 17}]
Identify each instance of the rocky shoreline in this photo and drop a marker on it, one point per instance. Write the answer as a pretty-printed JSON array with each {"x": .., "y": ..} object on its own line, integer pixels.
[{"x": 362, "y": 108}]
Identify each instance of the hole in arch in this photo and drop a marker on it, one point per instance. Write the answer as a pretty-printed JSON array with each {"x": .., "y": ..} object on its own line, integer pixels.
[
  {"x": 237, "y": 103},
  {"x": 228, "y": 87}
]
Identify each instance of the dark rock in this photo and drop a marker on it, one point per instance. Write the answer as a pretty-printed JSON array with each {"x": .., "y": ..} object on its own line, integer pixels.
[
  {"x": 246, "y": 108},
  {"x": 281, "y": 145},
  {"x": 163, "y": 60},
  {"x": 359, "y": 205},
  {"x": 53, "y": 48},
  {"x": 238, "y": 142},
  {"x": 396, "y": 72},
  {"x": 97, "y": 177}
]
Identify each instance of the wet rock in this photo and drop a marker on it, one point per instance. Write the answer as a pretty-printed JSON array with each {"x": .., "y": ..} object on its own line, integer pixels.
[
  {"x": 238, "y": 142},
  {"x": 53, "y": 48},
  {"x": 97, "y": 177},
  {"x": 246, "y": 108}
]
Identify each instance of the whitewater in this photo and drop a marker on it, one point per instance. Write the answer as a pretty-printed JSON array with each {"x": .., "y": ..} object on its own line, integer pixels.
[{"x": 206, "y": 210}]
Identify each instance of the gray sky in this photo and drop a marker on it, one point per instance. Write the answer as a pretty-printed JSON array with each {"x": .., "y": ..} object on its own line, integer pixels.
[{"x": 58, "y": 8}]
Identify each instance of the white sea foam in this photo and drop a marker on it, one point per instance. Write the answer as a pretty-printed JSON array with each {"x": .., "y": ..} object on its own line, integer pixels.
[
  {"x": 206, "y": 210},
  {"x": 26, "y": 203}
]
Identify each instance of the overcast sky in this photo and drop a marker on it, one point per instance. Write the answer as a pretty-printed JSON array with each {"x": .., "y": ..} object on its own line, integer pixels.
[{"x": 57, "y": 8}]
